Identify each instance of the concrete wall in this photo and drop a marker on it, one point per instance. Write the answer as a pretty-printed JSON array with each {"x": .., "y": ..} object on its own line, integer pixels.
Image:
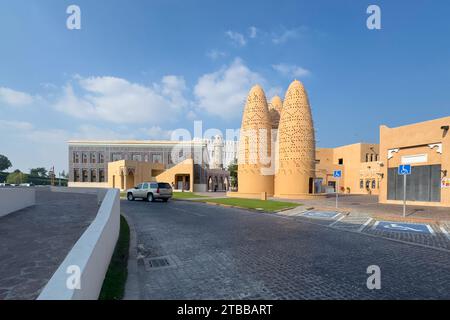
[
  {"x": 100, "y": 192},
  {"x": 91, "y": 253},
  {"x": 88, "y": 184},
  {"x": 13, "y": 199}
]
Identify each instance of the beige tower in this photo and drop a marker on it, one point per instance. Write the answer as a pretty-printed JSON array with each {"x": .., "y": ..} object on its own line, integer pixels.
[
  {"x": 295, "y": 175},
  {"x": 275, "y": 106},
  {"x": 254, "y": 171}
]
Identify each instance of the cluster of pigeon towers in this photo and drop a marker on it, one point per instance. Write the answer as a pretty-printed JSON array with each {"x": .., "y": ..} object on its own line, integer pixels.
[{"x": 286, "y": 128}]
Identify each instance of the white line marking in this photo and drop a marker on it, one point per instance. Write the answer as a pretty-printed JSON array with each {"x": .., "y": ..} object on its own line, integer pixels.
[
  {"x": 365, "y": 224},
  {"x": 375, "y": 225},
  {"x": 430, "y": 229},
  {"x": 190, "y": 212},
  {"x": 445, "y": 232},
  {"x": 337, "y": 221}
]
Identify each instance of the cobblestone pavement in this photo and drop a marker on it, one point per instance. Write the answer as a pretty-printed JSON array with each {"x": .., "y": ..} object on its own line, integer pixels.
[
  {"x": 34, "y": 241},
  {"x": 226, "y": 253}
]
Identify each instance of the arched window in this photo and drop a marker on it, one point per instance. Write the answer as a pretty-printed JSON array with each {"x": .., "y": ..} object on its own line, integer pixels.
[
  {"x": 374, "y": 184},
  {"x": 361, "y": 184}
]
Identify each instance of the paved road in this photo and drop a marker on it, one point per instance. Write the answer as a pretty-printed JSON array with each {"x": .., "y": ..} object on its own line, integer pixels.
[
  {"x": 225, "y": 253},
  {"x": 34, "y": 241}
]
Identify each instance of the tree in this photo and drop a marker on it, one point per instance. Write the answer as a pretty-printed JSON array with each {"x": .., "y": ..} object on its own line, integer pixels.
[
  {"x": 16, "y": 177},
  {"x": 233, "y": 169},
  {"x": 39, "y": 172},
  {"x": 4, "y": 163}
]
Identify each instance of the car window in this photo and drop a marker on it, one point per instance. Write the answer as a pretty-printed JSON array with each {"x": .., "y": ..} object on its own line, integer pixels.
[
  {"x": 145, "y": 186},
  {"x": 154, "y": 186},
  {"x": 164, "y": 185},
  {"x": 139, "y": 186}
]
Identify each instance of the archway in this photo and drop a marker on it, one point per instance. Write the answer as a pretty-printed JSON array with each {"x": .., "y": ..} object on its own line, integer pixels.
[
  {"x": 216, "y": 184},
  {"x": 210, "y": 184}
]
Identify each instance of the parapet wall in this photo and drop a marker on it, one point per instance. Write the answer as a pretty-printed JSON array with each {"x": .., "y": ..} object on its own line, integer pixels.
[
  {"x": 90, "y": 255},
  {"x": 13, "y": 199}
]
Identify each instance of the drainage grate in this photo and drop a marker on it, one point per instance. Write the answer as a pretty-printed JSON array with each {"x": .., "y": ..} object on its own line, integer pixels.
[
  {"x": 163, "y": 262},
  {"x": 158, "y": 263}
]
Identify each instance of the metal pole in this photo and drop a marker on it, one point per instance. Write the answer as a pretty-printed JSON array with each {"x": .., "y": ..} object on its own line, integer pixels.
[
  {"x": 404, "y": 196},
  {"x": 337, "y": 191}
]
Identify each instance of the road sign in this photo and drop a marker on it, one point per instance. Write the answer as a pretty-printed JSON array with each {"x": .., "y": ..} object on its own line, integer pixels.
[
  {"x": 321, "y": 214},
  {"x": 404, "y": 169},
  {"x": 403, "y": 227},
  {"x": 337, "y": 173}
]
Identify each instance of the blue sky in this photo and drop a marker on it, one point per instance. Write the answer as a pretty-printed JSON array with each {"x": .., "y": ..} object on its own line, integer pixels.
[{"x": 139, "y": 69}]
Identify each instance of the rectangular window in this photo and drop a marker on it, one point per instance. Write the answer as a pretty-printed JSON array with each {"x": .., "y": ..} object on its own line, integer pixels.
[
  {"x": 341, "y": 161},
  {"x": 157, "y": 158},
  {"x": 101, "y": 158},
  {"x": 101, "y": 175},
  {"x": 137, "y": 157},
  {"x": 116, "y": 156}
]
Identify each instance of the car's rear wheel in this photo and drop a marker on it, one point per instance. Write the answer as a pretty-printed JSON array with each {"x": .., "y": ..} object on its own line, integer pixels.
[
  {"x": 150, "y": 197},
  {"x": 130, "y": 196}
]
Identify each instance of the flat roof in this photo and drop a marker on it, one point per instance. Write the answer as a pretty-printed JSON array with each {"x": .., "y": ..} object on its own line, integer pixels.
[{"x": 132, "y": 142}]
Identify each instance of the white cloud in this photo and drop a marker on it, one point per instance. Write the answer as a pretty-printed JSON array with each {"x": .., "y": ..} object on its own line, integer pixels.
[
  {"x": 15, "y": 98},
  {"x": 120, "y": 101},
  {"x": 215, "y": 54},
  {"x": 290, "y": 70},
  {"x": 274, "y": 91},
  {"x": 287, "y": 34},
  {"x": 222, "y": 93},
  {"x": 237, "y": 38},
  {"x": 253, "y": 32},
  {"x": 156, "y": 133}
]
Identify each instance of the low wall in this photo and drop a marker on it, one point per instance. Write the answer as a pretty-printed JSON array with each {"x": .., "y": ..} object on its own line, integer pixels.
[
  {"x": 88, "y": 184},
  {"x": 100, "y": 192},
  {"x": 91, "y": 254},
  {"x": 13, "y": 199}
]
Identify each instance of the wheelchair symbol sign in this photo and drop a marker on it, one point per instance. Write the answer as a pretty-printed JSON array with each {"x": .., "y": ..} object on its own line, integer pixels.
[
  {"x": 337, "y": 173},
  {"x": 404, "y": 169}
]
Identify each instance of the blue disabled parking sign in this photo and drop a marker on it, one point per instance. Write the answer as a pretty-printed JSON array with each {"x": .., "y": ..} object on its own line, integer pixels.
[
  {"x": 404, "y": 169},
  {"x": 403, "y": 227},
  {"x": 337, "y": 173}
]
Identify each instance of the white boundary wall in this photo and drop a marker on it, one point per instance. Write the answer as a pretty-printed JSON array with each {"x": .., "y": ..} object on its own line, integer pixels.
[
  {"x": 13, "y": 199},
  {"x": 91, "y": 253}
]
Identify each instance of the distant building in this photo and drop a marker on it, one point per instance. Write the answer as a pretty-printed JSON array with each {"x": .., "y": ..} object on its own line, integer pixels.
[
  {"x": 222, "y": 152},
  {"x": 359, "y": 164},
  {"x": 123, "y": 164}
]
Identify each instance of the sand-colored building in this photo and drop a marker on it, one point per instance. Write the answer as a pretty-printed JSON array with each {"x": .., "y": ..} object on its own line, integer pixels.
[
  {"x": 426, "y": 147},
  {"x": 360, "y": 166}
]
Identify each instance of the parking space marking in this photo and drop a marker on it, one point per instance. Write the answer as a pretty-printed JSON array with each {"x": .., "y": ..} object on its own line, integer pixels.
[
  {"x": 445, "y": 232},
  {"x": 337, "y": 221},
  {"x": 365, "y": 224},
  {"x": 320, "y": 214},
  {"x": 403, "y": 227}
]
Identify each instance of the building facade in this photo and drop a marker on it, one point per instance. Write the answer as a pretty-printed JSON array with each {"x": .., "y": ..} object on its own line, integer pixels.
[
  {"x": 360, "y": 166},
  {"x": 426, "y": 147},
  {"x": 121, "y": 164}
]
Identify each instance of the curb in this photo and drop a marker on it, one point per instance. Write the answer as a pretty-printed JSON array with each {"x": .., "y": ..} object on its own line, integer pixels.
[{"x": 132, "y": 290}]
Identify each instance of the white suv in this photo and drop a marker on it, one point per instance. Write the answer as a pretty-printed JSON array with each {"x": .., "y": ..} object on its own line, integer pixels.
[{"x": 150, "y": 191}]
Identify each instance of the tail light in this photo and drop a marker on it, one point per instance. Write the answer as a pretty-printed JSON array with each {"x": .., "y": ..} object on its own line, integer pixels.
[{"x": 157, "y": 190}]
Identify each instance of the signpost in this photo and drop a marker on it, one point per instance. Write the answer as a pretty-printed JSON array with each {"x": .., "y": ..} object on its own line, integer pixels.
[
  {"x": 404, "y": 170},
  {"x": 337, "y": 174}
]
